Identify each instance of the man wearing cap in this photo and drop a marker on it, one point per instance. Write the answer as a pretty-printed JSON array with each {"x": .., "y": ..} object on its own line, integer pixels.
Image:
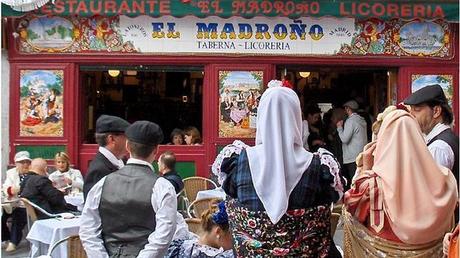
[
  {"x": 353, "y": 135},
  {"x": 11, "y": 188},
  {"x": 110, "y": 136},
  {"x": 430, "y": 107},
  {"x": 132, "y": 212}
]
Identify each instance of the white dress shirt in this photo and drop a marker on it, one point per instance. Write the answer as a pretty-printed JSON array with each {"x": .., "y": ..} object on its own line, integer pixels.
[
  {"x": 164, "y": 204},
  {"x": 440, "y": 150},
  {"x": 109, "y": 155}
]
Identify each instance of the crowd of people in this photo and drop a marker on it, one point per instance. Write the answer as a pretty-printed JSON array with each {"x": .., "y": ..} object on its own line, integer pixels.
[{"x": 398, "y": 185}]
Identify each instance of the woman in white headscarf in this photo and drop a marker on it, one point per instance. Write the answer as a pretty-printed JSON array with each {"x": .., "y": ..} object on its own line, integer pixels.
[{"x": 280, "y": 193}]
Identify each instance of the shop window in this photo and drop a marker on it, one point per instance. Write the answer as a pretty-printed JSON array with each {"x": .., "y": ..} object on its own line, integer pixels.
[{"x": 168, "y": 96}]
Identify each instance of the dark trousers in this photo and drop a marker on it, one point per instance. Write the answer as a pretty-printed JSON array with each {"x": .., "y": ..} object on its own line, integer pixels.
[
  {"x": 348, "y": 171},
  {"x": 19, "y": 221}
]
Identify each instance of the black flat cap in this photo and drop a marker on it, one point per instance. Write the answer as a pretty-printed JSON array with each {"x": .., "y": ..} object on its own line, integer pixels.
[
  {"x": 430, "y": 93},
  {"x": 111, "y": 124},
  {"x": 144, "y": 132}
]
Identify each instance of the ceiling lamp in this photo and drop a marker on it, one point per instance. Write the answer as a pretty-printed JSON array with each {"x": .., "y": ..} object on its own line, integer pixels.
[
  {"x": 304, "y": 74},
  {"x": 114, "y": 73}
]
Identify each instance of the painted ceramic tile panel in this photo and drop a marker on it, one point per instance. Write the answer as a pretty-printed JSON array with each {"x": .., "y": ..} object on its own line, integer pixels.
[
  {"x": 444, "y": 80},
  {"x": 239, "y": 92},
  {"x": 41, "y": 103}
]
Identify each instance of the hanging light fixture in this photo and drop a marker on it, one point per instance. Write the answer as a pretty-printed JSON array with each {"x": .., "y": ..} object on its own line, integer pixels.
[
  {"x": 114, "y": 73},
  {"x": 304, "y": 74}
]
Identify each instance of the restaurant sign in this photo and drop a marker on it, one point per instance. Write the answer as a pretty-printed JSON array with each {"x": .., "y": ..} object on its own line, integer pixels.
[
  {"x": 447, "y": 10},
  {"x": 257, "y": 36}
]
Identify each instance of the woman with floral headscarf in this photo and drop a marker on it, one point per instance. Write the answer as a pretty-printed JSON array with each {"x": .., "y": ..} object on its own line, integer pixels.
[
  {"x": 401, "y": 203},
  {"x": 280, "y": 193}
]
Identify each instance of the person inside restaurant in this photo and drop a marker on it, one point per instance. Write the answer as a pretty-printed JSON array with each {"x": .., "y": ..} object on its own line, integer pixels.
[
  {"x": 192, "y": 136},
  {"x": 37, "y": 188},
  {"x": 11, "y": 188},
  {"x": 280, "y": 194},
  {"x": 177, "y": 137},
  {"x": 401, "y": 202},
  {"x": 65, "y": 178}
]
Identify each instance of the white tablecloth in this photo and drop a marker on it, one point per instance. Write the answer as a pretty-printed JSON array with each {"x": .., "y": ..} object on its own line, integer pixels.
[
  {"x": 44, "y": 233},
  {"x": 214, "y": 193},
  {"x": 75, "y": 200}
]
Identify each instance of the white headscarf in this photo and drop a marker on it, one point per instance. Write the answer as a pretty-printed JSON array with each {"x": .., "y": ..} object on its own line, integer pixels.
[{"x": 278, "y": 160}]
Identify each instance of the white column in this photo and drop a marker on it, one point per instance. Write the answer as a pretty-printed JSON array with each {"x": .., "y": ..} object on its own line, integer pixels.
[{"x": 4, "y": 109}]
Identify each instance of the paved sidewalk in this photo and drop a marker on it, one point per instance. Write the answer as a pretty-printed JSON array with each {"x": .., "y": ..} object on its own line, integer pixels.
[{"x": 22, "y": 251}]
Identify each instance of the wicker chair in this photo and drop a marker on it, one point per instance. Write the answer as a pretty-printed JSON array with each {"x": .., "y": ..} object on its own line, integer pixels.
[
  {"x": 75, "y": 248},
  {"x": 334, "y": 221},
  {"x": 192, "y": 185},
  {"x": 194, "y": 225},
  {"x": 197, "y": 207}
]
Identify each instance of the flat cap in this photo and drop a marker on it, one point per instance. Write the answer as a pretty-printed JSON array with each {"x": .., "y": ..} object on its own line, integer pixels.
[
  {"x": 430, "y": 93},
  {"x": 351, "y": 104},
  {"x": 111, "y": 124},
  {"x": 144, "y": 132}
]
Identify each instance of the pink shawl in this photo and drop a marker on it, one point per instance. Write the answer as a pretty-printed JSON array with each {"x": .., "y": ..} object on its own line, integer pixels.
[{"x": 419, "y": 196}]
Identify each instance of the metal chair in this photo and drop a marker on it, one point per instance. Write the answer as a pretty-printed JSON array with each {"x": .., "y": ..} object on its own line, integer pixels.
[
  {"x": 197, "y": 207},
  {"x": 31, "y": 210},
  {"x": 192, "y": 185},
  {"x": 74, "y": 248}
]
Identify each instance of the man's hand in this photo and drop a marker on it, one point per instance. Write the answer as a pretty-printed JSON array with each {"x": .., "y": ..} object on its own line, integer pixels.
[{"x": 339, "y": 123}]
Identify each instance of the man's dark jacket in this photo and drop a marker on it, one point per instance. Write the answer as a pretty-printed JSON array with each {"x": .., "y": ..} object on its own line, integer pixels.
[
  {"x": 99, "y": 167},
  {"x": 40, "y": 190}
]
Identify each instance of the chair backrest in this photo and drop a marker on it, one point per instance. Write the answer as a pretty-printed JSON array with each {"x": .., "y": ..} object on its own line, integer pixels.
[
  {"x": 197, "y": 207},
  {"x": 37, "y": 208},
  {"x": 31, "y": 214},
  {"x": 334, "y": 221},
  {"x": 192, "y": 185},
  {"x": 75, "y": 248},
  {"x": 194, "y": 225}
]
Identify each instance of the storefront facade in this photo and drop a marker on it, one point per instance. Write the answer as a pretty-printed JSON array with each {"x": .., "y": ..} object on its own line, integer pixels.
[{"x": 226, "y": 49}]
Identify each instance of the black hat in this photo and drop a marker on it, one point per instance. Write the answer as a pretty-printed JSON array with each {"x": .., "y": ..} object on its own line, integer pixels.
[
  {"x": 144, "y": 132},
  {"x": 430, "y": 93},
  {"x": 111, "y": 124}
]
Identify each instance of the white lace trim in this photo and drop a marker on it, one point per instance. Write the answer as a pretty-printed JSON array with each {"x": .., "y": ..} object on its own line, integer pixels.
[
  {"x": 235, "y": 148},
  {"x": 327, "y": 158}
]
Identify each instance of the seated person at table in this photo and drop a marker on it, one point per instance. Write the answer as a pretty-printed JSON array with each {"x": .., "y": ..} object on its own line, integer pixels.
[
  {"x": 37, "y": 188},
  {"x": 214, "y": 241},
  {"x": 64, "y": 176},
  {"x": 10, "y": 190},
  {"x": 167, "y": 167}
]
